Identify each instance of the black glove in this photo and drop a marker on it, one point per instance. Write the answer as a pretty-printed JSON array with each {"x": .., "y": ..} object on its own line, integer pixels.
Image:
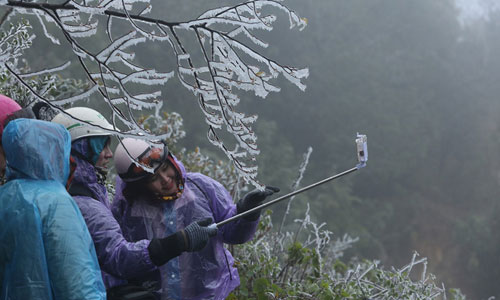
[
  {"x": 253, "y": 199},
  {"x": 198, "y": 234},
  {"x": 43, "y": 111},
  {"x": 192, "y": 238}
]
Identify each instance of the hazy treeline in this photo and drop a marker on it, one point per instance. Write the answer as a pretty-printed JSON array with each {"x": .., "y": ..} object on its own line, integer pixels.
[{"x": 423, "y": 87}]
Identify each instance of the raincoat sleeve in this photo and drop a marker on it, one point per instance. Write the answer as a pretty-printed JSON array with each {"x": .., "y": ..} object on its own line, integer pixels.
[
  {"x": 222, "y": 205},
  {"x": 71, "y": 259},
  {"x": 116, "y": 255},
  {"x": 119, "y": 204}
]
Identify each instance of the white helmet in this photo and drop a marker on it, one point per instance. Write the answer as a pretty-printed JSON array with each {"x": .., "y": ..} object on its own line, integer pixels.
[
  {"x": 79, "y": 129},
  {"x": 149, "y": 155}
]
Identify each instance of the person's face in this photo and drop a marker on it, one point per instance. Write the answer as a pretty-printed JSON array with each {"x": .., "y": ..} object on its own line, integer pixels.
[
  {"x": 105, "y": 156},
  {"x": 163, "y": 182}
]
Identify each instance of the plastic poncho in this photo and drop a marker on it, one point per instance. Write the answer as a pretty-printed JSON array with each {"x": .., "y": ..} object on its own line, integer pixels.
[
  {"x": 119, "y": 259},
  {"x": 206, "y": 274},
  {"x": 46, "y": 250}
]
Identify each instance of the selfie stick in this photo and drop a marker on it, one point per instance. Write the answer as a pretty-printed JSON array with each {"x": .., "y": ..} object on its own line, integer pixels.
[{"x": 362, "y": 150}]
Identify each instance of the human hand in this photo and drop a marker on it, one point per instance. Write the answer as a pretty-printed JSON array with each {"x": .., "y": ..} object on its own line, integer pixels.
[
  {"x": 198, "y": 233},
  {"x": 254, "y": 199}
]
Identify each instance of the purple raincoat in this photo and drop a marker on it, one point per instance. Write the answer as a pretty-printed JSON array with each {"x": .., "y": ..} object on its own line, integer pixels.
[
  {"x": 119, "y": 259},
  {"x": 206, "y": 274}
]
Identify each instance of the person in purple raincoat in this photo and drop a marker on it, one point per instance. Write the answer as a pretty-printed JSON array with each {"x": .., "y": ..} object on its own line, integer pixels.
[
  {"x": 154, "y": 205},
  {"x": 121, "y": 261}
]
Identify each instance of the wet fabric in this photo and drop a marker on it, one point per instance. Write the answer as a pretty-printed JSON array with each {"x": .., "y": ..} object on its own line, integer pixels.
[
  {"x": 119, "y": 259},
  {"x": 46, "y": 250},
  {"x": 207, "y": 274}
]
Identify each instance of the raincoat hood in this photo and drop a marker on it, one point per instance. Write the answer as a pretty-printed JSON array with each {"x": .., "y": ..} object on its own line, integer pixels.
[
  {"x": 36, "y": 149},
  {"x": 46, "y": 250}
]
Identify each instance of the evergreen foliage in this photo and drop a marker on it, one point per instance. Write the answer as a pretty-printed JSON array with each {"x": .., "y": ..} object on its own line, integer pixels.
[{"x": 419, "y": 84}]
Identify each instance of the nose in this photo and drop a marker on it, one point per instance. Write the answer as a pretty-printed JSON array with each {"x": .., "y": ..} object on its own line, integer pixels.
[
  {"x": 165, "y": 178},
  {"x": 108, "y": 153}
]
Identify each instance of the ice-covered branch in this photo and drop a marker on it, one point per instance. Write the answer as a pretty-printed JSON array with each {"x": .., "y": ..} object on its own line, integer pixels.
[{"x": 228, "y": 65}]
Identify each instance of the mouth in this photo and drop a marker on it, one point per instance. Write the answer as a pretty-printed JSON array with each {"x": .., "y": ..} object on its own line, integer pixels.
[{"x": 171, "y": 187}]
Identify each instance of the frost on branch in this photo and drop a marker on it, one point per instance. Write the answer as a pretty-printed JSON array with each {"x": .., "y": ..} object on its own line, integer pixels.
[
  {"x": 13, "y": 41},
  {"x": 225, "y": 62}
]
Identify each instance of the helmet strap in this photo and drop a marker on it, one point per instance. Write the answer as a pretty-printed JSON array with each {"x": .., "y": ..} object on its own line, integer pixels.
[{"x": 175, "y": 196}]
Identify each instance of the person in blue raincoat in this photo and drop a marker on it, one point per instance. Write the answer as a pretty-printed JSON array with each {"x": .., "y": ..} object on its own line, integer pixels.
[
  {"x": 153, "y": 205},
  {"x": 46, "y": 250},
  {"x": 121, "y": 261}
]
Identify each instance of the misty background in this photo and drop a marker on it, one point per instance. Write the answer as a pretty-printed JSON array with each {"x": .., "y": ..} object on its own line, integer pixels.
[{"x": 421, "y": 80}]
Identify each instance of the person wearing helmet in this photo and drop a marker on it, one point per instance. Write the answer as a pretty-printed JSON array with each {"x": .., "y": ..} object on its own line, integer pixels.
[
  {"x": 46, "y": 250},
  {"x": 7, "y": 107},
  {"x": 155, "y": 196},
  {"x": 121, "y": 261}
]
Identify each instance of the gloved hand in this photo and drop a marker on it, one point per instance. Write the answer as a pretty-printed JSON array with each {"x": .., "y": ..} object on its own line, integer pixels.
[
  {"x": 192, "y": 238},
  {"x": 43, "y": 111},
  {"x": 198, "y": 234},
  {"x": 253, "y": 199}
]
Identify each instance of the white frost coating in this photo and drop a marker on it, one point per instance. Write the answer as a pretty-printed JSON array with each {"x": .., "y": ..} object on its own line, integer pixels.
[
  {"x": 148, "y": 96},
  {"x": 249, "y": 119},
  {"x": 71, "y": 22},
  {"x": 116, "y": 101},
  {"x": 79, "y": 52},
  {"x": 186, "y": 71},
  {"x": 148, "y": 77},
  {"x": 91, "y": 10},
  {"x": 81, "y": 32},
  {"x": 291, "y": 75},
  {"x": 181, "y": 57},
  {"x": 114, "y": 76},
  {"x": 109, "y": 25},
  {"x": 147, "y": 10},
  {"x": 52, "y": 38},
  {"x": 271, "y": 88},
  {"x": 227, "y": 38},
  {"x": 116, "y": 45},
  {"x": 46, "y": 71},
  {"x": 235, "y": 32},
  {"x": 81, "y": 96},
  {"x": 213, "y": 107},
  {"x": 122, "y": 56},
  {"x": 131, "y": 65},
  {"x": 112, "y": 90},
  {"x": 67, "y": 16},
  {"x": 254, "y": 39},
  {"x": 151, "y": 35}
]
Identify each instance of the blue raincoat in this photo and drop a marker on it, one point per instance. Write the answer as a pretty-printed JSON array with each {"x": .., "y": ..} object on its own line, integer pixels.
[
  {"x": 119, "y": 259},
  {"x": 46, "y": 250},
  {"x": 206, "y": 274}
]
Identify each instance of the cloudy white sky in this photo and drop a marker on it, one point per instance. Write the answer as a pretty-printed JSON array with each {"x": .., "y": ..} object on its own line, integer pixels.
[{"x": 476, "y": 9}]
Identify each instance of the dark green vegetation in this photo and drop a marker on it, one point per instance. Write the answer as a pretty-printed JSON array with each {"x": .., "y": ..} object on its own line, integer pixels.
[{"x": 425, "y": 91}]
